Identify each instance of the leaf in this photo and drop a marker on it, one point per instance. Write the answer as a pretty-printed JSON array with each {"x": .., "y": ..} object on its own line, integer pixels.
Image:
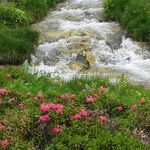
[
  {"x": 87, "y": 86},
  {"x": 26, "y": 66}
]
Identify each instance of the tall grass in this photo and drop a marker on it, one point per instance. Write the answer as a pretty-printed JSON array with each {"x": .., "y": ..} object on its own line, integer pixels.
[
  {"x": 132, "y": 14},
  {"x": 16, "y": 44}
]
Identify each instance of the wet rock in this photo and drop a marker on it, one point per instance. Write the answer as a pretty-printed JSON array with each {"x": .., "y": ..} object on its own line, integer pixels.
[
  {"x": 48, "y": 57},
  {"x": 79, "y": 45},
  {"x": 90, "y": 58},
  {"x": 80, "y": 63}
]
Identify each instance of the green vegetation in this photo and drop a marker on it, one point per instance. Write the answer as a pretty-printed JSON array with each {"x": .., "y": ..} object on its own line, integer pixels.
[
  {"x": 17, "y": 38},
  {"x": 133, "y": 14},
  {"x": 16, "y": 44},
  {"x": 45, "y": 113}
]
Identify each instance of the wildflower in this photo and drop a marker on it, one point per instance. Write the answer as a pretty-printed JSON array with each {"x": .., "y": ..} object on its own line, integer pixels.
[
  {"x": 44, "y": 118},
  {"x": 57, "y": 107},
  {"x": 120, "y": 108},
  {"x": 40, "y": 95},
  {"x": 83, "y": 113},
  {"x": 45, "y": 107},
  {"x": 142, "y": 101},
  {"x": 103, "y": 118},
  {"x": 134, "y": 106},
  {"x": 76, "y": 116},
  {"x": 4, "y": 143},
  {"x": 89, "y": 99},
  {"x": 3, "y": 91},
  {"x": 35, "y": 98},
  {"x": 65, "y": 97},
  {"x": 56, "y": 129},
  {"x": 102, "y": 89}
]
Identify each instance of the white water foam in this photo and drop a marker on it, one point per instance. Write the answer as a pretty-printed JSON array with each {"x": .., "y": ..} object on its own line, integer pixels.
[{"x": 106, "y": 42}]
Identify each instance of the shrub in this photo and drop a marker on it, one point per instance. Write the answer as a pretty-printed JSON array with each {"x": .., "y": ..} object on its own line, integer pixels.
[
  {"x": 16, "y": 44},
  {"x": 133, "y": 14},
  {"x": 11, "y": 16},
  {"x": 35, "y": 8},
  {"x": 52, "y": 3},
  {"x": 43, "y": 112}
]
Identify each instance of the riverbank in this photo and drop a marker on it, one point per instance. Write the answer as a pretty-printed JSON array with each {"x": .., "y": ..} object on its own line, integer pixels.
[
  {"x": 44, "y": 113},
  {"x": 17, "y": 38},
  {"x": 133, "y": 15}
]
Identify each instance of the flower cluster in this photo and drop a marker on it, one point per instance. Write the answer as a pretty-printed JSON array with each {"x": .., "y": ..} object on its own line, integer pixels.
[
  {"x": 80, "y": 115},
  {"x": 46, "y": 107},
  {"x": 4, "y": 92}
]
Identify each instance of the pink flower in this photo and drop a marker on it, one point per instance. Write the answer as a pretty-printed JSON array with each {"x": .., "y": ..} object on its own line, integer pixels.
[
  {"x": 120, "y": 108},
  {"x": 89, "y": 99},
  {"x": 65, "y": 97},
  {"x": 57, "y": 107},
  {"x": 56, "y": 129},
  {"x": 142, "y": 101},
  {"x": 3, "y": 91},
  {"x": 40, "y": 95},
  {"x": 102, "y": 89},
  {"x": 134, "y": 106},
  {"x": 103, "y": 118},
  {"x": 4, "y": 143},
  {"x": 44, "y": 118},
  {"x": 45, "y": 107},
  {"x": 35, "y": 98},
  {"x": 83, "y": 113},
  {"x": 76, "y": 116}
]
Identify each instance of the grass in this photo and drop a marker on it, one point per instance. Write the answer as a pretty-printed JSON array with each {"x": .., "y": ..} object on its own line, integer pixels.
[
  {"x": 132, "y": 14},
  {"x": 17, "y": 38},
  {"x": 16, "y": 44},
  {"x": 107, "y": 122}
]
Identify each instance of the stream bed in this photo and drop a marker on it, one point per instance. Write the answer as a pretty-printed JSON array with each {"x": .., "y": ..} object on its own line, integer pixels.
[{"x": 75, "y": 40}]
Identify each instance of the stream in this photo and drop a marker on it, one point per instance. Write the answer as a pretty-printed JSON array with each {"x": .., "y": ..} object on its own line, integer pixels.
[{"x": 75, "y": 40}]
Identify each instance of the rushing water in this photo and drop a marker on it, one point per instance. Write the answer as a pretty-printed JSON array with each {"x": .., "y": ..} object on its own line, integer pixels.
[{"x": 76, "y": 40}]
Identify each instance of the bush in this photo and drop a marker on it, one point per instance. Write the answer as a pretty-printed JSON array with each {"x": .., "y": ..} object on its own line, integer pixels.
[
  {"x": 35, "y": 8},
  {"x": 43, "y": 112},
  {"x": 133, "y": 14},
  {"x": 52, "y": 3},
  {"x": 16, "y": 44},
  {"x": 11, "y": 16}
]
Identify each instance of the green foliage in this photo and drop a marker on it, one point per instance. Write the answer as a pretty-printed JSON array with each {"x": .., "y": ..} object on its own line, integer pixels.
[
  {"x": 53, "y": 3},
  {"x": 36, "y": 8},
  {"x": 11, "y": 16},
  {"x": 16, "y": 44},
  {"x": 26, "y": 92},
  {"x": 133, "y": 14}
]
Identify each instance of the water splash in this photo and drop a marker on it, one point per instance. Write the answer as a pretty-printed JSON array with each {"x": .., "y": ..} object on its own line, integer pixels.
[{"x": 76, "y": 41}]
